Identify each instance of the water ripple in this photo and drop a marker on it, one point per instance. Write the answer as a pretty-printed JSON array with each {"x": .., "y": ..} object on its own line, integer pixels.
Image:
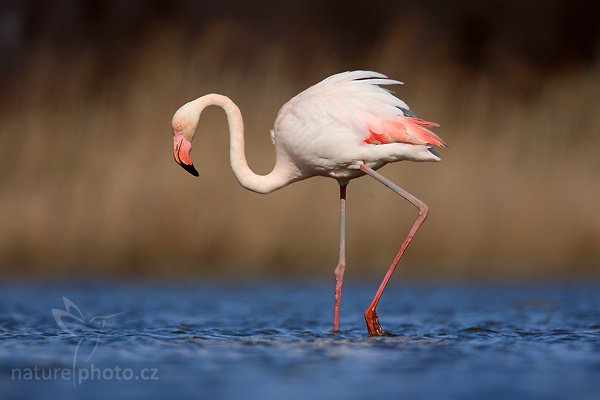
[{"x": 215, "y": 341}]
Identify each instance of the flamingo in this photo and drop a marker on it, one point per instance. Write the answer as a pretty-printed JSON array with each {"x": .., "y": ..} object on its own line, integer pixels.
[{"x": 343, "y": 127}]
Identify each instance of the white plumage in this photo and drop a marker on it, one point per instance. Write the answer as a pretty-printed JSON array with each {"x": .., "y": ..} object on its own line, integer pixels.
[{"x": 323, "y": 129}]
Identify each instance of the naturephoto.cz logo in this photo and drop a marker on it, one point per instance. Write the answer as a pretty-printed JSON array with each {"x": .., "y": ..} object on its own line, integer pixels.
[{"x": 72, "y": 321}]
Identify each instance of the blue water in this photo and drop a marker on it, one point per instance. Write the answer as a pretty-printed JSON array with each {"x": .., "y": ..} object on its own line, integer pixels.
[{"x": 272, "y": 340}]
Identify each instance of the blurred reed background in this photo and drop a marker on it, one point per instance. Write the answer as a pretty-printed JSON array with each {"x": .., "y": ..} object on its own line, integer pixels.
[{"x": 88, "y": 185}]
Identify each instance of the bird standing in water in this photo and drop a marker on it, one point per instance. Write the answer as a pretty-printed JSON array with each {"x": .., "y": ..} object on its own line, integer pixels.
[{"x": 344, "y": 127}]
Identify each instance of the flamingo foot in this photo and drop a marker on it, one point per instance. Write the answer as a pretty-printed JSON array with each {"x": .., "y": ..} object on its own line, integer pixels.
[{"x": 373, "y": 325}]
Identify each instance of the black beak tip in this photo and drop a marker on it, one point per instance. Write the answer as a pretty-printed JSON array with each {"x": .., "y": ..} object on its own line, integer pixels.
[{"x": 190, "y": 168}]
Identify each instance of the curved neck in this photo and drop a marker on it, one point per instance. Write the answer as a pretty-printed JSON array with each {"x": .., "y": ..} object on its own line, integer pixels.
[{"x": 284, "y": 171}]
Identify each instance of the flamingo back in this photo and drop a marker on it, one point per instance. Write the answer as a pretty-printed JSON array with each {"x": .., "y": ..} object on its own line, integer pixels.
[{"x": 356, "y": 102}]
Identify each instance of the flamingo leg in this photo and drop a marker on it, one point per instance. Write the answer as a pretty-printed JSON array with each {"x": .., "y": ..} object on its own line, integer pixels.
[
  {"x": 371, "y": 317},
  {"x": 338, "y": 273}
]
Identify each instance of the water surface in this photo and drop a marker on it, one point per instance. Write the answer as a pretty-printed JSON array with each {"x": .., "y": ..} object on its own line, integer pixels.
[{"x": 272, "y": 340}]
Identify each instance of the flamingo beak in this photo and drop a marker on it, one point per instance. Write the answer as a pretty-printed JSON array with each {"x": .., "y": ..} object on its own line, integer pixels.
[{"x": 182, "y": 148}]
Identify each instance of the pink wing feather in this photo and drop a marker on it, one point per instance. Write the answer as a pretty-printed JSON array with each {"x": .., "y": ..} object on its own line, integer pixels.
[{"x": 406, "y": 130}]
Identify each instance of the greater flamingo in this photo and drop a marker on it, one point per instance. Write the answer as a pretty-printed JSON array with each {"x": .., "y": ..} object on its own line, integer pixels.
[{"x": 343, "y": 127}]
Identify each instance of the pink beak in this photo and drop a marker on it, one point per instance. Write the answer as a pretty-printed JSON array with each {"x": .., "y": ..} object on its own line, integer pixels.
[{"x": 182, "y": 148}]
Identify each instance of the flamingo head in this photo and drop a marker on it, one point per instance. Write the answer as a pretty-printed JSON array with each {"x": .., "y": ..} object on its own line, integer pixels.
[{"x": 183, "y": 133}]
